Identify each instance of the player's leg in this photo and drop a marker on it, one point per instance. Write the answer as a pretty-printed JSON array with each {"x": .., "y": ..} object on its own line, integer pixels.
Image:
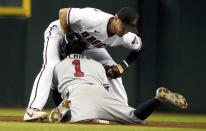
[
  {"x": 116, "y": 87},
  {"x": 145, "y": 109},
  {"x": 80, "y": 106},
  {"x": 163, "y": 95},
  {"x": 42, "y": 83},
  {"x": 114, "y": 110},
  {"x": 107, "y": 107}
]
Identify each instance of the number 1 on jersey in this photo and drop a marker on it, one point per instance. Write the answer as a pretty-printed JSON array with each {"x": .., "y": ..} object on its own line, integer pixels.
[{"x": 78, "y": 72}]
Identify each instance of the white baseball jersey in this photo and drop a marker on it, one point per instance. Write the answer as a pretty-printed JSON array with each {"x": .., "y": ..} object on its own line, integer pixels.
[
  {"x": 82, "y": 81},
  {"x": 92, "y": 25}
]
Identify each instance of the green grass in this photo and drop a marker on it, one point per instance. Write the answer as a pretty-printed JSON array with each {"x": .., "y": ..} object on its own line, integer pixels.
[
  {"x": 174, "y": 117},
  {"x": 157, "y": 117},
  {"x": 19, "y": 126},
  {"x": 10, "y": 126},
  {"x": 11, "y": 112}
]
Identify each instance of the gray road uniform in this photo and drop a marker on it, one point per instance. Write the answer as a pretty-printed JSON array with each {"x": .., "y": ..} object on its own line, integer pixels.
[{"x": 82, "y": 80}]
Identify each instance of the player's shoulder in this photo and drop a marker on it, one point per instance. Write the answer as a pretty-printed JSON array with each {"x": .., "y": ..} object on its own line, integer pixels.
[
  {"x": 86, "y": 9},
  {"x": 90, "y": 12}
]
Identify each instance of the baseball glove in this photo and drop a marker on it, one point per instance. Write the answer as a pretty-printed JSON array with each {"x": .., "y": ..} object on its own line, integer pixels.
[
  {"x": 112, "y": 72},
  {"x": 115, "y": 71}
]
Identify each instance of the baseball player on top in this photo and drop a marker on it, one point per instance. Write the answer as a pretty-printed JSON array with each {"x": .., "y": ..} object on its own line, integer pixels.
[
  {"x": 100, "y": 30},
  {"x": 85, "y": 97}
]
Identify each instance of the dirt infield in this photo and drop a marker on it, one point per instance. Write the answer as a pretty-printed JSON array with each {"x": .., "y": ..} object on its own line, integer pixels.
[{"x": 148, "y": 124}]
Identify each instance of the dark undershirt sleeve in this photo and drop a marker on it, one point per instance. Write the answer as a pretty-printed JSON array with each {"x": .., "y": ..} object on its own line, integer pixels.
[{"x": 133, "y": 55}]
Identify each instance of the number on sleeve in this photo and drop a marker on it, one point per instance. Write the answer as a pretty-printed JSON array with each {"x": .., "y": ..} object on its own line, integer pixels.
[{"x": 78, "y": 72}]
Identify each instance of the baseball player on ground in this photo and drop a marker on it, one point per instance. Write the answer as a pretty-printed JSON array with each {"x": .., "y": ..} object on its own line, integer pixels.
[
  {"x": 80, "y": 80},
  {"x": 100, "y": 30}
]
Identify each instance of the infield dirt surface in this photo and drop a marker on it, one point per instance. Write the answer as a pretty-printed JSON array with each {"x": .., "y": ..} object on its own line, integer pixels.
[{"x": 194, "y": 125}]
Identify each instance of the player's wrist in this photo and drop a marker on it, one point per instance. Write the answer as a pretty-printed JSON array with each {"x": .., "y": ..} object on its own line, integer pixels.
[
  {"x": 120, "y": 68},
  {"x": 124, "y": 65}
]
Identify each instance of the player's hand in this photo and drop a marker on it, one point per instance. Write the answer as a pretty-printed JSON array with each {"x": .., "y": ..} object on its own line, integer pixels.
[{"x": 114, "y": 71}]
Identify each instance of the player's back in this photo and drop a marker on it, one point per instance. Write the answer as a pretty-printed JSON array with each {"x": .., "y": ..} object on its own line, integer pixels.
[{"x": 79, "y": 69}]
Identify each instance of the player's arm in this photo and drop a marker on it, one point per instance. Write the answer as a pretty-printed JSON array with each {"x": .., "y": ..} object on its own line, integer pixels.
[
  {"x": 63, "y": 13},
  {"x": 133, "y": 55},
  {"x": 134, "y": 43},
  {"x": 115, "y": 71}
]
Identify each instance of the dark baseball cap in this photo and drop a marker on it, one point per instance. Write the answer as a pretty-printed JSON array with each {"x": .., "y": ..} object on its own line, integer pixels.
[{"x": 129, "y": 18}]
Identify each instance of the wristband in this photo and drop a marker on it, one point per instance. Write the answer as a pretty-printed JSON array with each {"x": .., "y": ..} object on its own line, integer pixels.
[{"x": 124, "y": 64}]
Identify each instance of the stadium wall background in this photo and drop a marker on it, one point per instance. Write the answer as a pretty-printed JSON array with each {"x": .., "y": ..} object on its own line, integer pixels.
[{"x": 173, "y": 34}]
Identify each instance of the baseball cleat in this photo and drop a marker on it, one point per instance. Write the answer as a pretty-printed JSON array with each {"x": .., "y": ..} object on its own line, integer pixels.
[
  {"x": 164, "y": 95},
  {"x": 34, "y": 115},
  {"x": 57, "y": 113}
]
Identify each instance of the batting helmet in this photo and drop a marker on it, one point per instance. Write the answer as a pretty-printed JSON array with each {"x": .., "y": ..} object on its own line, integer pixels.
[{"x": 72, "y": 43}]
